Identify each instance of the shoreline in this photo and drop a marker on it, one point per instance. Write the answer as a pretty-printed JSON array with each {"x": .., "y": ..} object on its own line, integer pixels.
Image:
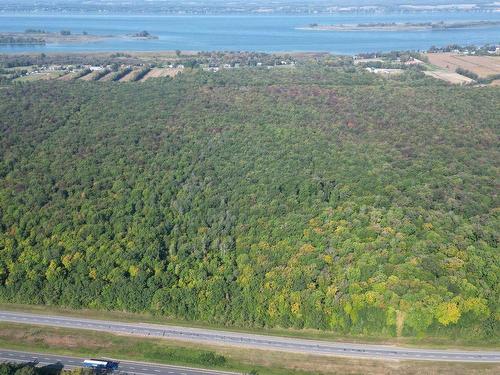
[
  {"x": 46, "y": 38},
  {"x": 401, "y": 27}
]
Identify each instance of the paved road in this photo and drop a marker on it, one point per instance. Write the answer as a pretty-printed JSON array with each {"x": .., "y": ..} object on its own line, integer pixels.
[
  {"x": 254, "y": 341},
  {"x": 125, "y": 367}
]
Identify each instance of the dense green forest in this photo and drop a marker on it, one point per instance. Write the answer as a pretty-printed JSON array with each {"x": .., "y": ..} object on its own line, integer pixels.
[{"x": 310, "y": 197}]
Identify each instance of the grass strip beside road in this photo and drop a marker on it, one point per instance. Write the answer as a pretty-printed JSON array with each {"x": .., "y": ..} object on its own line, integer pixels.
[
  {"x": 85, "y": 344},
  {"x": 432, "y": 342}
]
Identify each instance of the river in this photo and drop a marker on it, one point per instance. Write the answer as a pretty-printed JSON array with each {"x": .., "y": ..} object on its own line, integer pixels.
[{"x": 266, "y": 33}]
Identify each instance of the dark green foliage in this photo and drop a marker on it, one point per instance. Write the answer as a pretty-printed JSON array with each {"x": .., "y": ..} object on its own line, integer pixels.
[
  {"x": 120, "y": 74},
  {"x": 30, "y": 369},
  {"x": 308, "y": 197},
  {"x": 82, "y": 73},
  {"x": 212, "y": 359},
  {"x": 487, "y": 80},
  {"x": 101, "y": 73},
  {"x": 141, "y": 73},
  {"x": 467, "y": 73},
  {"x": 14, "y": 40}
]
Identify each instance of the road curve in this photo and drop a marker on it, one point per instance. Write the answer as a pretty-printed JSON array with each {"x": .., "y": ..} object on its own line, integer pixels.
[
  {"x": 247, "y": 340},
  {"x": 125, "y": 367}
]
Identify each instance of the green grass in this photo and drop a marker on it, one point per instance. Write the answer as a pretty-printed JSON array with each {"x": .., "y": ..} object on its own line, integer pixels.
[
  {"x": 41, "y": 76},
  {"x": 458, "y": 342},
  {"x": 432, "y": 68},
  {"x": 87, "y": 344},
  {"x": 84, "y": 344}
]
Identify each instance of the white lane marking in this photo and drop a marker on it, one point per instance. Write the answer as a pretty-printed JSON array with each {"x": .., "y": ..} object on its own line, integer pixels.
[{"x": 70, "y": 321}]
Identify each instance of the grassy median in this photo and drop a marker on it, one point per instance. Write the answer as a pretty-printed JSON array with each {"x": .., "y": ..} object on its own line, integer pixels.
[{"x": 83, "y": 343}]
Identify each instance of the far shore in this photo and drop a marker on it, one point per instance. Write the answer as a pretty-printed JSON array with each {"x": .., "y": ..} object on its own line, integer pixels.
[{"x": 427, "y": 26}]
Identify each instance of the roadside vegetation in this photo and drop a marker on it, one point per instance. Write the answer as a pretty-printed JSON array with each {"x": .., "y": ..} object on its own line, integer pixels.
[
  {"x": 90, "y": 344},
  {"x": 305, "y": 198},
  {"x": 31, "y": 369}
]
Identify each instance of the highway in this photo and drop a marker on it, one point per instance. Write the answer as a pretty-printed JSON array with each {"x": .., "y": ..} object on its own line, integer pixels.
[
  {"x": 246, "y": 340},
  {"x": 125, "y": 367}
]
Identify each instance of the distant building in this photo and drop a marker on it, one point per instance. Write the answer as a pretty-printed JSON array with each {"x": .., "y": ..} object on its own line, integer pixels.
[
  {"x": 496, "y": 51},
  {"x": 211, "y": 69},
  {"x": 385, "y": 71}
]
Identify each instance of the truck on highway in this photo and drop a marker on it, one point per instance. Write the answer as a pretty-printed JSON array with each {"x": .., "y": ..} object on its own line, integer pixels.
[{"x": 100, "y": 364}]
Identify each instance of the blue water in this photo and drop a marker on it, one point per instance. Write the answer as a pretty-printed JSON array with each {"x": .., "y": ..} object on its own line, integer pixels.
[{"x": 266, "y": 33}]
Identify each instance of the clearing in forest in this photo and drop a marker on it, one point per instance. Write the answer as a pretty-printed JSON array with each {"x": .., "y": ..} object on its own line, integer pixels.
[
  {"x": 483, "y": 66},
  {"x": 450, "y": 77},
  {"x": 108, "y": 77},
  {"x": 162, "y": 72},
  {"x": 68, "y": 77},
  {"x": 130, "y": 76},
  {"x": 90, "y": 77},
  {"x": 39, "y": 77}
]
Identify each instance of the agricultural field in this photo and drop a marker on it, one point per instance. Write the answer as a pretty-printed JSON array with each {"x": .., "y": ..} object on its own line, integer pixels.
[
  {"x": 43, "y": 76},
  {"x": 69, "y": 76},
  {"x": 483, "y": 66},
  {"x": 105, "y": 74},
  {"x": 162, "y": 72},
  {"x": 451, "y": 77},
  {"x": 130, "y": 76},
  {"x": 91, "y": 76},
  {"x": 108, "y": 77}
]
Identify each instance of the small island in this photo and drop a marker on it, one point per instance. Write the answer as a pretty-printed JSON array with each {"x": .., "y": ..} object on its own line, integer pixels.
[
  {"x": 143, "y": 35},
  {"x": 394, "y": 26}
]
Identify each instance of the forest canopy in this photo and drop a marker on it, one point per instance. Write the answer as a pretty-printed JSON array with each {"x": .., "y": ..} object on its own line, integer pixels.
[{"x": 307, "y": 198}]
